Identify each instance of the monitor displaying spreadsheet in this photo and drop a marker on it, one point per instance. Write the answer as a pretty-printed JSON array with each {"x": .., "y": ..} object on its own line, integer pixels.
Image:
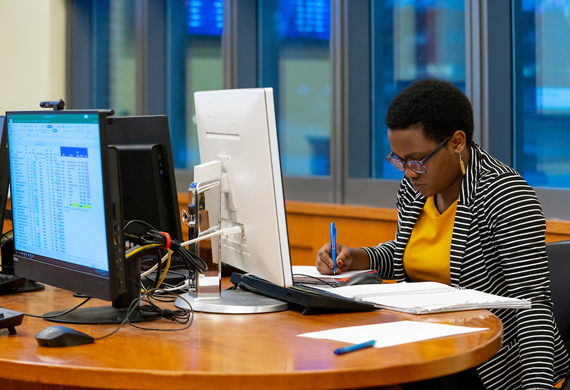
[
  {"x": 64, "y": 216},
  {"x": 56, "y": 172}
]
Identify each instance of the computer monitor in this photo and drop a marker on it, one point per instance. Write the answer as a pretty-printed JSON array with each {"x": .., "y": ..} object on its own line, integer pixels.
[
  {"x": 148, "y": 183},
  {"x": 238, "y": 128},
  {"x": 66, "y": 205}
]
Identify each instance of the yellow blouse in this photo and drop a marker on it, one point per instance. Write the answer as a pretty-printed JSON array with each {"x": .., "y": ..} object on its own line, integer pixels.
[{"x": 427, "y": 254}]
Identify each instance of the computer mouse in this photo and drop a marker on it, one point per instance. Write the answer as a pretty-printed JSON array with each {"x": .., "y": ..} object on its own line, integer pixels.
[
  {"x": 362, "y": 278},
  {"x": 62, "y": 336}
]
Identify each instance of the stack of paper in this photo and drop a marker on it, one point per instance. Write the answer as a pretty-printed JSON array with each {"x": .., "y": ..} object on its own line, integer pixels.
[{"x": 427, "y": 297}]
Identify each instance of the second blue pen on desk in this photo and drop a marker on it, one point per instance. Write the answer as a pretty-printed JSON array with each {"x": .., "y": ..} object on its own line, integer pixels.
[
  {"x": 355, "y": 347},
  {"x": 333, "y": 246}
]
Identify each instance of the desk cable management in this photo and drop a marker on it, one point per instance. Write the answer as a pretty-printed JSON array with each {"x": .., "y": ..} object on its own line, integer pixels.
[
  {"x": 151, "y": 241},
  {"x": 155, "y": 241},
  {"x": 151, "y": 311}
]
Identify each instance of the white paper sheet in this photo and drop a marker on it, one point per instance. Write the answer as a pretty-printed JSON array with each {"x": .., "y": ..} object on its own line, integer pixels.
[{"x": 392, "y": 333}]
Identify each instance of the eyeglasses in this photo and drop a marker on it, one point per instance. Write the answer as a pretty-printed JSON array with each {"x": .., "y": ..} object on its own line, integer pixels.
[{"x": 415, "y": 166}]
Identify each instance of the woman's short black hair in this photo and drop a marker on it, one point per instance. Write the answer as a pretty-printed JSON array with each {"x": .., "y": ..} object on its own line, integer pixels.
[{"x": 438, "y": 106}]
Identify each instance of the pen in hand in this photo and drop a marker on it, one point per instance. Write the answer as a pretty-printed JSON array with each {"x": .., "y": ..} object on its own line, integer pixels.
[
  {"x": 355, "y": 347},
  {"x": 333, "y": 246}
]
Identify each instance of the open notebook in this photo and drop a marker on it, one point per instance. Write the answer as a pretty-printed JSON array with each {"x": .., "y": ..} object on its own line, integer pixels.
[{"x": 427, "y": 297}]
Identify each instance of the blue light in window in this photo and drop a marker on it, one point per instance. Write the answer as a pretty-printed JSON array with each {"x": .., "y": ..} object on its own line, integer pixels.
[
  {"x": 304, "y": 19},
  {"x": 205, "y": 17}
]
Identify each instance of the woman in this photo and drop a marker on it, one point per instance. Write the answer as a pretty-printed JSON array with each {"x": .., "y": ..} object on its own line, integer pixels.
[{"x": 467, "y": 220}]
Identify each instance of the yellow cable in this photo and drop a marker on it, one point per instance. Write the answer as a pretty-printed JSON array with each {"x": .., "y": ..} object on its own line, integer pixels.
[
  {"x": 131, "y": 252},
  {"x": 5, "y": 236},
  {"x": 138, "y": 249},
  {"x": 163, "y": 272},
  {"x": 135, "y": 250},
  {"x": 165, "y": 268}
]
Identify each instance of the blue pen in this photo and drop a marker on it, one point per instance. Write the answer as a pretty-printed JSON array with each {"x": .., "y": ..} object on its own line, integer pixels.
[
  {"x": 333, "y": 246},
  {"x": 355, "y": 347}
]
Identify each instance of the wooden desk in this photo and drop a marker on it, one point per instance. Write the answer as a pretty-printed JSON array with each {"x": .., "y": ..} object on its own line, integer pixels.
[{"x": 231, "y": 352}]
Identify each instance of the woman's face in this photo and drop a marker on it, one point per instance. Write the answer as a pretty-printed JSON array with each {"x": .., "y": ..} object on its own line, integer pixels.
[{"x": 443, "y": 168}]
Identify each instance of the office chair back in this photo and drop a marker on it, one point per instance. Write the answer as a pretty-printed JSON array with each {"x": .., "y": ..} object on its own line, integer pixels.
[{"x": 559, "y": 265}]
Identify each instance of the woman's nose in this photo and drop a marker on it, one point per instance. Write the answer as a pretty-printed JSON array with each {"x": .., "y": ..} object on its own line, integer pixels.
[{"x": 409, "y": 173}]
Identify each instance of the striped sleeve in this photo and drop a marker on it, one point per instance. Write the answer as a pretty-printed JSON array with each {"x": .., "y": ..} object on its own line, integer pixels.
[
  {"x": 517, "y": 224},
  {"x": 382, "y": 256},
  {"x": 381, "y": 259}
]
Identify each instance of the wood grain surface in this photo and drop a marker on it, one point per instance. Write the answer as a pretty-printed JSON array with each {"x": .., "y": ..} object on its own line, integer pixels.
[{"x": 231, "y": 351}]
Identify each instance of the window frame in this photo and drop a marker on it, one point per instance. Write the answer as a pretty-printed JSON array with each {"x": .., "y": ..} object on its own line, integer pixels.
[
  {"x": 555, "y": 202},
  {"x": 491, "y": 74}
]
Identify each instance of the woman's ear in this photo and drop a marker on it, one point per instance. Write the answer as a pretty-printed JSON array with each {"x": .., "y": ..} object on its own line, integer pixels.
[{"x": 458, "y": 140}]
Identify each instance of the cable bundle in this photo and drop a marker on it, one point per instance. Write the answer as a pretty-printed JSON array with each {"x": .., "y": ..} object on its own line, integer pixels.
[
  {"x": 156, "y": 241},
  {"x": 164, "y": 239}
]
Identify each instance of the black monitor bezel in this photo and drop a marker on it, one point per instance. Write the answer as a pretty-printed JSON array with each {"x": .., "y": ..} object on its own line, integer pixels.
[
  {"x": 4, "y": 171},
  {"x": 103, "y": 287}
]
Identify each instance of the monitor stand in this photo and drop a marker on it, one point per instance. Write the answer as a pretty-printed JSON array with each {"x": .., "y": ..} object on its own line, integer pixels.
[
  {"x": 106, "y": 315},
  {"x": 27, "y": 286},
  {"x": 210, "y": 298},
  {"x": 8, "y": 269},
  {"x": 205, "y": 292}
]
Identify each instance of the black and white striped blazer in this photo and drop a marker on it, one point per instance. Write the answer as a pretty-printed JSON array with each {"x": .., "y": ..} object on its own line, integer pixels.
[{"x": 497, "y": 247}]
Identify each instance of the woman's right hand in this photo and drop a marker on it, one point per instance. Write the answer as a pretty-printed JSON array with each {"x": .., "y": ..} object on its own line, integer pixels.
[
  {"x": 344, "y": 259},
  {"x": 347, "y": 258}
]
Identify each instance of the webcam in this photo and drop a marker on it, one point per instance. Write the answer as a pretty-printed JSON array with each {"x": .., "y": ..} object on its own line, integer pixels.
[{"x": 55, "y": 105}]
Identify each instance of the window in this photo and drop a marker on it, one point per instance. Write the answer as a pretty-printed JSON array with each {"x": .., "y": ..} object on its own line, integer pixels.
[
  {"x": 195, "y": 58},
  {"x": 335, "y": 66},
  {"x": 542, "y": 93},
  {"x": 122, "y": 59},
  {"x": 114, "y": 56},
  {"x": 295, "y": 62},
  {"x": 412, "y": 40}
]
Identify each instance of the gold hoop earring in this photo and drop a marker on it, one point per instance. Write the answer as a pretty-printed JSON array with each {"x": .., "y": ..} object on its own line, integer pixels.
[{"x": 461, "y": 164}]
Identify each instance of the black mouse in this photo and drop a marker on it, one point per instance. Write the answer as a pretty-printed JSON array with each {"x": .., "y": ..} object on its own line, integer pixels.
[
  {"x": 62, "y": 336},
  {"x": 362, "y": 278}
]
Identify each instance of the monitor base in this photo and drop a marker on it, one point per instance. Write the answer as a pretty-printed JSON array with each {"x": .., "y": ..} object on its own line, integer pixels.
[
  {"x": 102, "y": 315},
  {"x": 28, "y": 286},
  {"x": 232, "y": 302}
]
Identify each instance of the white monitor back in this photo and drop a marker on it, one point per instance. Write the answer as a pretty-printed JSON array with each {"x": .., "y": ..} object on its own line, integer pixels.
[{"x": 238, "y": 128}]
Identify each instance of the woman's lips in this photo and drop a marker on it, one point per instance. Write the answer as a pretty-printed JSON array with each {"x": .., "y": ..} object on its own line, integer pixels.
[{"x": 417, "y": 186}]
